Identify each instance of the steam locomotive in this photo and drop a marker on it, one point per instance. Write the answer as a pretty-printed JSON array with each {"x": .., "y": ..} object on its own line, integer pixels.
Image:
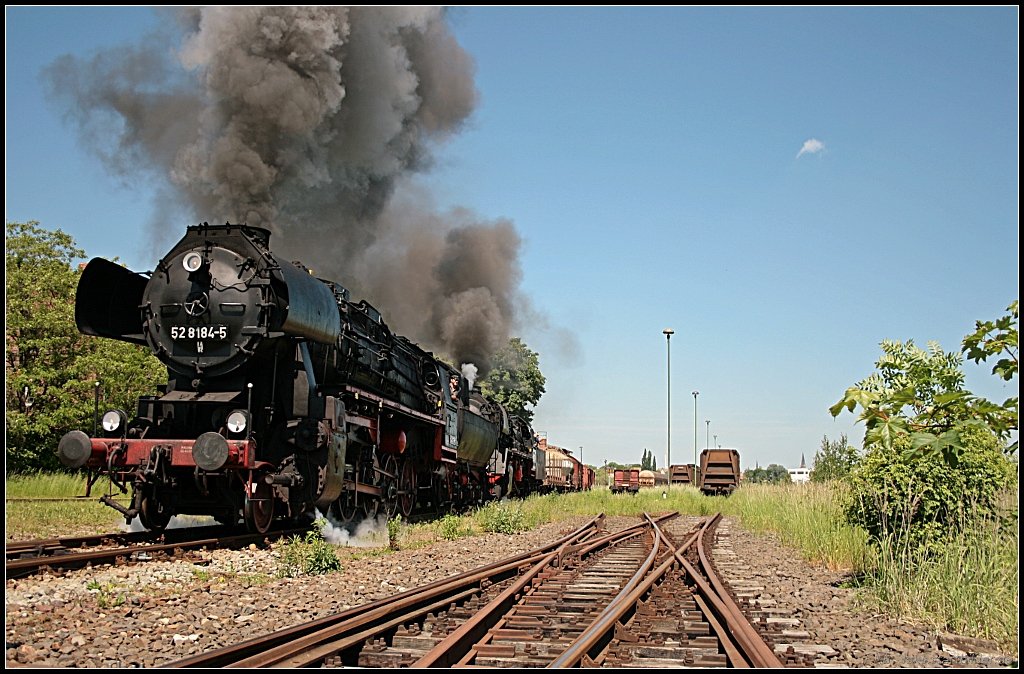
[{"x": 283, "y": 396}]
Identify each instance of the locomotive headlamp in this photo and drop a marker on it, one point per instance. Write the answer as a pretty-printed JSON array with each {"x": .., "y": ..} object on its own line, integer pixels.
[
  {"x": 192, "y": 262},
  {"x": 238, "y": 421},
  {"x": 114, "y": 421}
]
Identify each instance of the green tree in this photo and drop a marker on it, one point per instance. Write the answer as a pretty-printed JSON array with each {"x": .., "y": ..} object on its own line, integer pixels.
[
  {"x": 773, "y": 474},
  {"x": 777, "y": 474},
  {"x": 915, "y": 405},
  {"x": 834, "y": 460},
  {"x": 920, "y": 394},
  {"x": 51, "y": 368},
  {"x": 515, "y": 380}
]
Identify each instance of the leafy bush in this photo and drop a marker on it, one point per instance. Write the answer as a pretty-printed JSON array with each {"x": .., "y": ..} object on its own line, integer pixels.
[
  {"x": 311, "y": 555},
  {"x": 502, "y": 517},
  {"x": 450, "y": 527},
  {"x": 915, "y": 501}
]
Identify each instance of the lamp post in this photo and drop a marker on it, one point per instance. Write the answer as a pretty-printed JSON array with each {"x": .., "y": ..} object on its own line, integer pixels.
[
  {"x": 695, "y": 393},
  {"x": 716, "y": 440},
  {"x": 707, "y": 435},
  {"x": 668, "y": 363}
]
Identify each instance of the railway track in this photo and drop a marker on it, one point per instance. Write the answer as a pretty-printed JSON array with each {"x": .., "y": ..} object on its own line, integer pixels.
[
  {"x": 645, "y": 596},
  {"x": 24, "y": 558}
]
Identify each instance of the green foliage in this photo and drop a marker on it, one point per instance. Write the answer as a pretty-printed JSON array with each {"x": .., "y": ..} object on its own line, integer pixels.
[
  {"x": 394, "y": 529},
  {"x": 993, "y": 338},
  {"x": 310, "y": 556},
  {"x": 502, "y": 517},
  {"x": 982, "y": 343},
  {"x": 834, "y": 460},
  {"x": 914, "y": 391},
  {"x": 108, "y": 594},
  {"x": 52, "y": 368},
  {"x": 919, "y": 395},
  {"x": 450, "y": 527},
  {"x": 903, "y": 498},
  {"x": 773, "y": 474},
  {"x": 515, "y": 379}
]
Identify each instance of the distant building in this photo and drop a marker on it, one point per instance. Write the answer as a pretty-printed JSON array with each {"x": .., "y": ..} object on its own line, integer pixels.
[{"x": 801, "y": 474}]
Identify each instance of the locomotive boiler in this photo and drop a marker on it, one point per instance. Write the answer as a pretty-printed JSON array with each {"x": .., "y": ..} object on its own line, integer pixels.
[{"x": 283, "y": 396}]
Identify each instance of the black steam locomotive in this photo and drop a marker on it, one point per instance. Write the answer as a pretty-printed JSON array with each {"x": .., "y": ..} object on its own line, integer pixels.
[{"x": 283, "y": 396}]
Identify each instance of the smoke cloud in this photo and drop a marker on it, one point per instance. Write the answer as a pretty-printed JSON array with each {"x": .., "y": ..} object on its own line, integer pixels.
[{"x": 310, "y": 121}]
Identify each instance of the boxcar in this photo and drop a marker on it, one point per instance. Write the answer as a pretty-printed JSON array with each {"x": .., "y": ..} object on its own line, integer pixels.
[{"x": 626, "y": 480}]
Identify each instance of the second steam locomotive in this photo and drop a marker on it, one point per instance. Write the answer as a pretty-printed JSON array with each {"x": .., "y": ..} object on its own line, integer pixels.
[{"x": 284, "y": 396}]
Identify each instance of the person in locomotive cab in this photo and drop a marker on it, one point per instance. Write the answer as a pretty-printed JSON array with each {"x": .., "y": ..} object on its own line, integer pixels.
[{"x": 455, "y": 386}]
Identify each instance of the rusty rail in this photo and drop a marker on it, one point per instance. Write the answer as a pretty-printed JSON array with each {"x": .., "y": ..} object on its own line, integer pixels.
[
  {"x": 457, "y": 647},
  {"x": 284, "y": 648},
  {"x": 59, "y": 557}
]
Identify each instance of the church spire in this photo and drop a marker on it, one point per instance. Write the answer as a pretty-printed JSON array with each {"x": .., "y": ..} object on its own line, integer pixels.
[{"x": 803, "y": 464}]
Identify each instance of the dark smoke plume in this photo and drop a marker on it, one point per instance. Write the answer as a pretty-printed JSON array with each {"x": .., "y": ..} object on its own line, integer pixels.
[{"x": 307, "y": 120}]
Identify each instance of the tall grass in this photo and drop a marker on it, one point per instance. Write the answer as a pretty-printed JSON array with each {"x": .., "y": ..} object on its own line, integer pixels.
[
  {"x": 555, "y": 507},
  {"x": 47, "y": 485},
  {"x": 52, "y": 519},
  {"x": 970, "y": 585},
  {"x": 808, "y": 517}
]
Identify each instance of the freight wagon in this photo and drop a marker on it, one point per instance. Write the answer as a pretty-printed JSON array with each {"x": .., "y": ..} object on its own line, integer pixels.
[{"x": 719, "y": 471}]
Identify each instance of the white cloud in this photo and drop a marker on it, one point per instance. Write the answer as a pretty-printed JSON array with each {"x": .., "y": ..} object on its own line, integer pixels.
[{"x": 811, "y": 146}]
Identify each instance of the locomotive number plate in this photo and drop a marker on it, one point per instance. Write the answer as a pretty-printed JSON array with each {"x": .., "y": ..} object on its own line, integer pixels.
[{"x": 191, "y": 332}]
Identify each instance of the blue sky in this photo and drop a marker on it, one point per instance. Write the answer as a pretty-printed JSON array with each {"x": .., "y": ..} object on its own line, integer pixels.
[{"x": 651, "y": 159}]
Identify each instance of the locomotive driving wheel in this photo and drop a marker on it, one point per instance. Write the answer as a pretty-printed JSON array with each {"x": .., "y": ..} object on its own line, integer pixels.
[
  {"x": 370, "y": 506},
  {"x": 153, "y": 514},
  {"x": 344, "y": 508},
  {"x": 258, "y": 511},
  {"x": 389, "y": 486},
  {"x": 406, "y": 488}
]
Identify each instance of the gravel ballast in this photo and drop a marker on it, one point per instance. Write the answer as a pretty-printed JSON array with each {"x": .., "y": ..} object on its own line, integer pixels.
[{"x": 147, "y": 615}]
